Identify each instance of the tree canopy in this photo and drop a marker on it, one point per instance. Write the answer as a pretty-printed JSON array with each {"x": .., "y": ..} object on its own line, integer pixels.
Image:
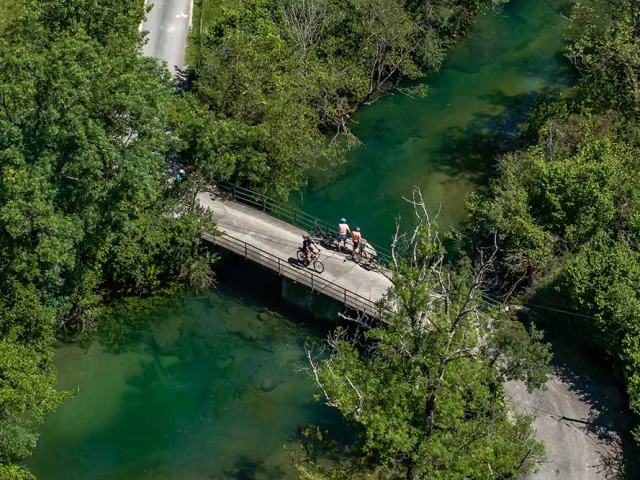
[{"x": 86, "y": 206}]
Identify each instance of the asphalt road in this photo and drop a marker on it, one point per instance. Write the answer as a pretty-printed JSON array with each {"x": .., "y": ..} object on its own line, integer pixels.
[{"x": 168, "y": 26}]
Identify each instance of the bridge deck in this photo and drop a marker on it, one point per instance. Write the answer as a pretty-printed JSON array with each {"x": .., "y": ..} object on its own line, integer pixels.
[{"x": 273, "y": 243}]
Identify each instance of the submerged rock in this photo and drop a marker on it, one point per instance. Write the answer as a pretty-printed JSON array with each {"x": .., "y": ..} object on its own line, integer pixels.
[
  {"x": 265, "y": 380},
  {"x": 232, "y": 310},
  {"x": 269, "y": 384},
  {"x": 199, "y": 348},
  {"x": 247, "y": 328},
  {"x": 225, "y": 362},
  {"x": 165, "y": 335},
  {"x": 167, "y": 362},
  {"x": 192, "y": 328}
]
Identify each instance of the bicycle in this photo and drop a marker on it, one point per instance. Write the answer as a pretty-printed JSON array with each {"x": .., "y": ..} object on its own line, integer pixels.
[
  {"x": 324, "y": 238},
  {"x": 368, "y": 255},
  {"x": 317, "y": 234},
  {"x": 360, "y": 253},
  {"x": 310, "y": 260}
]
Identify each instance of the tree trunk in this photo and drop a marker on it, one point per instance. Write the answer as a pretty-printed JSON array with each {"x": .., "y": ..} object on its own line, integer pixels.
[
  {"x": 411, "y": 471},
  {"x": 429, "y": 414}
]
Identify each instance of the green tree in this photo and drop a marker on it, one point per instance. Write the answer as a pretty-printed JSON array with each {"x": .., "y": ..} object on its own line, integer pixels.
[
  {"x": 9, "y": 11},
  {"x": 84, "y": 148},
  {"x": 423, "y": 388},
  {"x": 567, "y": 215},
  {"x": 26, "y": 394},
  {"x": 261, "y": 122},
  {"x": 109, "y": 22},
  {"x": 605, "y": 48},
  {"x": 86, "y": 208}
]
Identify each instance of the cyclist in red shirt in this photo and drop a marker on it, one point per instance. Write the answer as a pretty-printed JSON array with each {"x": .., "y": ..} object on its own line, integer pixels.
[{"x": 356, "y": 237}]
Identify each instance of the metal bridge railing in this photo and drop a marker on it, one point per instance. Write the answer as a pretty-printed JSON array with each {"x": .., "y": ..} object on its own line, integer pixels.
[
  {"x": 297, "y": 274},
  {"x": 289, "y": 214}
]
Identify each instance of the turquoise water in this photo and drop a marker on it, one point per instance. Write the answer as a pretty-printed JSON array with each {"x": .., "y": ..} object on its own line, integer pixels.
[
  {"x": 204, "y": 388},
  {"x": 207, "y": 387},
  {"x": 447, "y": 142}
]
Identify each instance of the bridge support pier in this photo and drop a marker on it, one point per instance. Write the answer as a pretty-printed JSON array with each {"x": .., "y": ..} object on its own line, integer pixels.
[{"x": 318, "y": 305}]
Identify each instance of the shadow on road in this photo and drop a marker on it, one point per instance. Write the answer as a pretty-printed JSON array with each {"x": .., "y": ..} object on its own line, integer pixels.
[
  {"x": 294, "y": 262},
  {"x": 609, "y": 420}
]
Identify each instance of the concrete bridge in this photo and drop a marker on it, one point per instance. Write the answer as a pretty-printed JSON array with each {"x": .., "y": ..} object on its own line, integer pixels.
[{"x": 269, "y": 234}]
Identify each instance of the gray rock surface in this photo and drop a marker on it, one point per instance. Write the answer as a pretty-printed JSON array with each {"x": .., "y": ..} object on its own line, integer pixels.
[{"x": 165, "y": 335}]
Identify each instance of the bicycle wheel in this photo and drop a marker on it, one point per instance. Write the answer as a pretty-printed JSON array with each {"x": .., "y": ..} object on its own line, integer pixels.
[
  {"x": 318, "y": 266},
  {"x": 301, "y": 256},
  {"x": 373, "y": 263}
]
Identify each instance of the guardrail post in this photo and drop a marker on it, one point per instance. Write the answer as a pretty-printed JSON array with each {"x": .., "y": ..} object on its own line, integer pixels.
[
  {"x": 295, "y": 217},
  {"x": 312, "y": 275},
  {"x": 345, "y": 296},
  {"x": 246, "y": 253},
  {"x": 233, "y": 192},
  {"x": 264, "y": 203},
  {"x": 279, "y": 266}
]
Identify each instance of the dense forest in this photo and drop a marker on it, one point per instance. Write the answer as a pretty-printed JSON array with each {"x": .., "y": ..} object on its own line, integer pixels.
[{"x": 91, "y": 132}]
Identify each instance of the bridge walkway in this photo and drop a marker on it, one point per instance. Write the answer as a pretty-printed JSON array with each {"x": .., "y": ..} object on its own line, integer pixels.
[{"x": 273, "y": 243}]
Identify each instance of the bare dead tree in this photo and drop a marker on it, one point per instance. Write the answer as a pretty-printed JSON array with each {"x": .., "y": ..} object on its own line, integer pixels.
[
  {"x": 435, "y": 324},
  {"x": 306, "y": 22},
  {"x": 452, "y": 309}
]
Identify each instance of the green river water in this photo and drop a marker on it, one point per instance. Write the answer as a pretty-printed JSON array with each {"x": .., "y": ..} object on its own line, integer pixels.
[
  {"x": 446, "y": 143},
  {"x": 207, "y": 387},
  {"x": 204, "y": 387}
]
